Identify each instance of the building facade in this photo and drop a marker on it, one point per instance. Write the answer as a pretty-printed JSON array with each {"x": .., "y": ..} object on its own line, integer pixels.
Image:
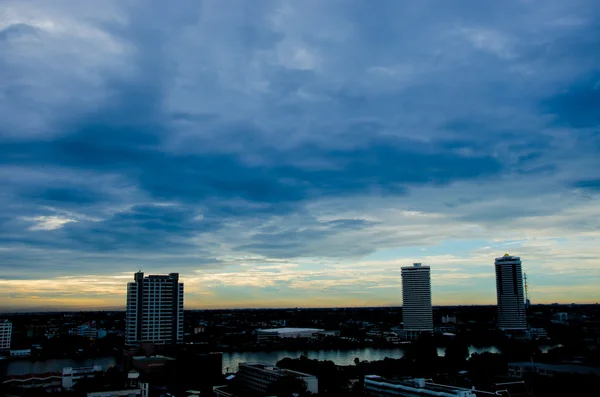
[
  {"x": 70, "y": 376},
  {"x": 258, "y": 377},
  {"x": 509, "y": 290},
  {"x": 154, "y": 310},
  {"x": 5, "y": 335},
  {"x": 517, "y": 370},
  {"x": 283, "y": 333},
  {"x": 20, "y": 353},
  {"x": 84, "y": 330},
  {"x": 142, "y": 390},
  {"x": 417, "y": 313}
]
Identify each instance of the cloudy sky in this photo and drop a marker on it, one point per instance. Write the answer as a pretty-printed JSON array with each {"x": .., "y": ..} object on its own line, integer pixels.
[{"x": 297, "y": 153}]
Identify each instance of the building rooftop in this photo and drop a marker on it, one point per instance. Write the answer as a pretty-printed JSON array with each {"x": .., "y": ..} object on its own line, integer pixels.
[
  {"x": 273, "y": 368},
  {"x": 424, "y": 384},
  {"x": 507, "y": 258},
  {"x": 577, "y": 369},
  {"x": 415, "y": 266},
  {"x": 153, "y": 358},
  {"x": 26, "y": 377},
  {"x": 290, "y": 330}
]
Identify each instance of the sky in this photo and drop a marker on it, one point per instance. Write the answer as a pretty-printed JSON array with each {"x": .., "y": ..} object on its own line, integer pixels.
[{"x": 297, "y": 153}]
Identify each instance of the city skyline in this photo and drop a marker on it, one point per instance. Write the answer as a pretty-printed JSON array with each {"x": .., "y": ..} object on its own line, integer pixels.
[{"x": 283, "y": 154}]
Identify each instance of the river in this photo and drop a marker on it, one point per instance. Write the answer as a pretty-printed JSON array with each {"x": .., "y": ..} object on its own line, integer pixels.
[
  {"x": 232, "y": 360},
  {"x": 339, "y": 357}
]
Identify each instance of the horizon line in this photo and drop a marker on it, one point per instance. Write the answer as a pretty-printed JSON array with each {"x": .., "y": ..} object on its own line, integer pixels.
[{"x": 108, "y": 309}]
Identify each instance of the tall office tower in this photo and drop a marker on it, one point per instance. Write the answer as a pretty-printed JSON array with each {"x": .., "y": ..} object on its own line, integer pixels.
[
  {"x": 509, "y": 290},
  {"x": 5, "y": 335},
  {"x": 154, "y": 310},
  {"x": 416, "y": 300}
]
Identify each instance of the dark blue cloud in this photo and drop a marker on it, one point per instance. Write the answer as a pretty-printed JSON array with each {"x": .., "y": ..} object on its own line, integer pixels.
[
  {"x": 150, "y": 228},
  {"x": 63, "y": 195},
  {"x": 577, "y": 106},
  {"x": 213, "y": 125},
  {"x": 591, "y": 184}
]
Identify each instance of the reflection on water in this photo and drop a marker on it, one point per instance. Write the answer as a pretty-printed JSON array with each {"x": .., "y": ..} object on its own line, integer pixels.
[
  {"x": 339, "y": 357},
  {"x": 231, "y": 360}
]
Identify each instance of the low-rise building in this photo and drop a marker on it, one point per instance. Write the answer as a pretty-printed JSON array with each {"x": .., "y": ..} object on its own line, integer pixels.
[
  {"x": 377, "y": 386},
  {"x": 517, "y": 370},
  {"x": 152, "y": 365},
  {"x": 561, "y": 318},
  {"x": 84, "y": 330},
  {"x": 29, "y": 381},
  {"x": 538, "y": 333},
  {"x": 70, "y": 376},
  {"x": 141, "y": 391},
  {"x": 448, "y": 319},
  {"x": 259, "y": 377},
  {"x": 20, "y": 353},
  {"x": 223, "y": 391},
  {"x": 281, "y": 333}
]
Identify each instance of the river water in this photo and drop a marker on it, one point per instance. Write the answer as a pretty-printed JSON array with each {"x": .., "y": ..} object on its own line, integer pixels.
[
  {"x": 232, "y": 360},
  {"x": 339, "y": 357}
]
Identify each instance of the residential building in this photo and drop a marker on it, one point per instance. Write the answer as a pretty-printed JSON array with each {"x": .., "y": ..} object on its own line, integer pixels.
[
  {"x": 417, "y": 313},
  {"x": 70, "y": 376},
  {"x": 257, "y": 377},
  {"x": 509, "y": 290},
  {"x": 5, "y": 335},
  {"x": 154, "y": 310}
]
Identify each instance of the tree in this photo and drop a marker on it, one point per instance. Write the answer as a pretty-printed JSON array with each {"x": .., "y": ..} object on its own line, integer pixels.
[{"x": 456, "y": 355}]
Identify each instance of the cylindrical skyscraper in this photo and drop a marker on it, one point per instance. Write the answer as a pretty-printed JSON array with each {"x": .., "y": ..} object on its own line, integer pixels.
[
  {"x": 509, "y": 290},
  {"x": 417, "y": 313}
]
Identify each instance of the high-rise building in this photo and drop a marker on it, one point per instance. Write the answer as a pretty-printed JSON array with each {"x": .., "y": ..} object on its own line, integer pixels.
[
  {"x": 154, "y": 310},
  {"x": 5, "y": 335},
  {"x": 509, "y": 290},
  {"x": 416, "y": 299}
]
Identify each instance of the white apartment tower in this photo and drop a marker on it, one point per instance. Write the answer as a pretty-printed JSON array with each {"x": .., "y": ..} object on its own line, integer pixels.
[
  {"x": 416, "y": 300},
  {"x": 5, "y": 335},
  {"x": 509, "y": 290},
  {"x": 154, "y": 310}
]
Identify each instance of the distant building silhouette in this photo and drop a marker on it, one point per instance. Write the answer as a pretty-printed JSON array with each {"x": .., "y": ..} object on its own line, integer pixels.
[
  {"x": 154, "y": 310},
  {"x": 509, "y": 290},
  {"x": 417, "y": 313}
]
